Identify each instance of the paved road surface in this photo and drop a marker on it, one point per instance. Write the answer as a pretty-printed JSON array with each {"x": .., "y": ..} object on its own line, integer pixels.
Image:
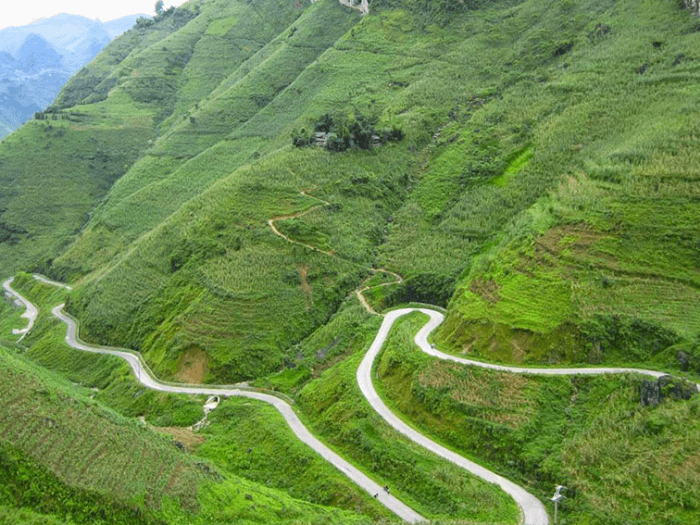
[
  {"x": 534, "y": 512},
  {"x": 30, "y": 313},
  {"x": 141, "y": 371},
  {"x": 436, "y": 319}
]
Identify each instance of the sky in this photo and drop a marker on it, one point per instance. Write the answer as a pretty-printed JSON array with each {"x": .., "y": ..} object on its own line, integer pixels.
[{"x": 23, "y": 12}]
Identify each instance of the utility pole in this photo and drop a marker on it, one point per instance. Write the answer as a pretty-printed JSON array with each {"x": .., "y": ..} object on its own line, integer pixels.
[{"x": 558, "y": 496}]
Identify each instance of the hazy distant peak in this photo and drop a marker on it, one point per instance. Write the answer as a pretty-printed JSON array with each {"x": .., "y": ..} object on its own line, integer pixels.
[
  {"x": 36, "y": 59},
  {"x": 36, "y": 53},
  {"x": 62, "y": 17}
]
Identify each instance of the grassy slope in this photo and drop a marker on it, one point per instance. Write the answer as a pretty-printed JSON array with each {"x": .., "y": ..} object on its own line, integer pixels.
[
  {"x": 613, "y": 240},
  {"x": 236, "y": 424},
  {"x": 244, "y": 435},
  {"x": 621, "y": 462},
  {"x": 530, "y": 155},
  {"x": 548, "y": 172},
  {"x": 54, "y": 171},
  {"x": 237, "y": 269},
  {"x": 73, "y": 450}
]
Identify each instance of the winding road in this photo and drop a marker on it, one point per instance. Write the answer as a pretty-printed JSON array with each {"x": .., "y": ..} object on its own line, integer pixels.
[
  {"x": 533, "y": 511},
  {"x": 146, "y": 378}
]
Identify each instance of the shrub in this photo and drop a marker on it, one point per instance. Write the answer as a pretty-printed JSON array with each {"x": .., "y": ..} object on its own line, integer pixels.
[
  {"x": 302, "y": 137},
  {"x": 428, "y": 288}
]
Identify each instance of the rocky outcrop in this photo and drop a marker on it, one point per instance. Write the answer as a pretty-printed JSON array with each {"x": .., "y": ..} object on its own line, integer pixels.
[
  {"x": 361, "y": 5},
  {"x": 653, "y": 392}
]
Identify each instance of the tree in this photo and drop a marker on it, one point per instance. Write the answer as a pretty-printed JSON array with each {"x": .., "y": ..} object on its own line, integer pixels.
[{"x": 159, "y": 7}]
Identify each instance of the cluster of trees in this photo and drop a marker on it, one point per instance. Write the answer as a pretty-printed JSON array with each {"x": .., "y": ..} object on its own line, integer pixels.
[{"x": 340, "y": 132}]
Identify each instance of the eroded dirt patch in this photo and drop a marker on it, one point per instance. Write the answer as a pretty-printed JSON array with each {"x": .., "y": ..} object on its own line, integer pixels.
[
  {"x": 305, "y": 286},
  {"x": 182, "y": 435},
  {"x": 194, "y": 366},
  {"x": 487, "y": 289}
]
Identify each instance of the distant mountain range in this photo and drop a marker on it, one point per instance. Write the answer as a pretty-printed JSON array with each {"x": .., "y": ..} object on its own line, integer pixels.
[{"x": 36, "y": 60}]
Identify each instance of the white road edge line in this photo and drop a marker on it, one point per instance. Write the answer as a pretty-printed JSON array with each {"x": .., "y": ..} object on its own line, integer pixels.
[{"x": 31, "y": 312}]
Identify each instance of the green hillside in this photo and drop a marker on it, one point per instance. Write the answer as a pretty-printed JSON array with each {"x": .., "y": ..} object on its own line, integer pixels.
[
  {"x": 531, "y": 166},
  {"x": 62, "y": 459},
  {"x": 620, "y": 461},
  {"x": 253, "y": 441}
]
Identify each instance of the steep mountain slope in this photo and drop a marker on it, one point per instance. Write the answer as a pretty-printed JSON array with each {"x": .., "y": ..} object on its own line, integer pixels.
[
  {"x": 604, "y": 266},
  {"x": 544, "y": 189},
  {"x": 495, "y": 150}
]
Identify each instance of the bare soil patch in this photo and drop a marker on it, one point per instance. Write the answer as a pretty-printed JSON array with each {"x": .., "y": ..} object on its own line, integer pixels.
[
  {"x": 194, "y": 366},
  {"x": 487, "y": 289},
  {"x": 305, "y": 286},
  {"x": 183, "y": 435}
]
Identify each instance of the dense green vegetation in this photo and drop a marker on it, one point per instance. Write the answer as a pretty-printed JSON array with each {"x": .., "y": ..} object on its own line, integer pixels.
[
  {"x": 528, "y": 189},
  {"x": 62, "y": 454},
  {"x": 337, "y": 411},
  {"x": 622, "y": 462},
  {"x": 243, "y": 436},
  {"x": 544, "y": 191}
]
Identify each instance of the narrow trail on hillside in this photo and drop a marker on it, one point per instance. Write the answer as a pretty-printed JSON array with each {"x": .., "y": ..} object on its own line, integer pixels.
[
  {"x": 359, "y": 291},
  {"x": 271, "y": 223}
]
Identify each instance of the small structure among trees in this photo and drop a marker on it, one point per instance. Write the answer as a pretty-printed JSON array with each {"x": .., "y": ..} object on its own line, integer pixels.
[
  {"x": 338, "y": 132},
  {"x": 693, "y": 6}
]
